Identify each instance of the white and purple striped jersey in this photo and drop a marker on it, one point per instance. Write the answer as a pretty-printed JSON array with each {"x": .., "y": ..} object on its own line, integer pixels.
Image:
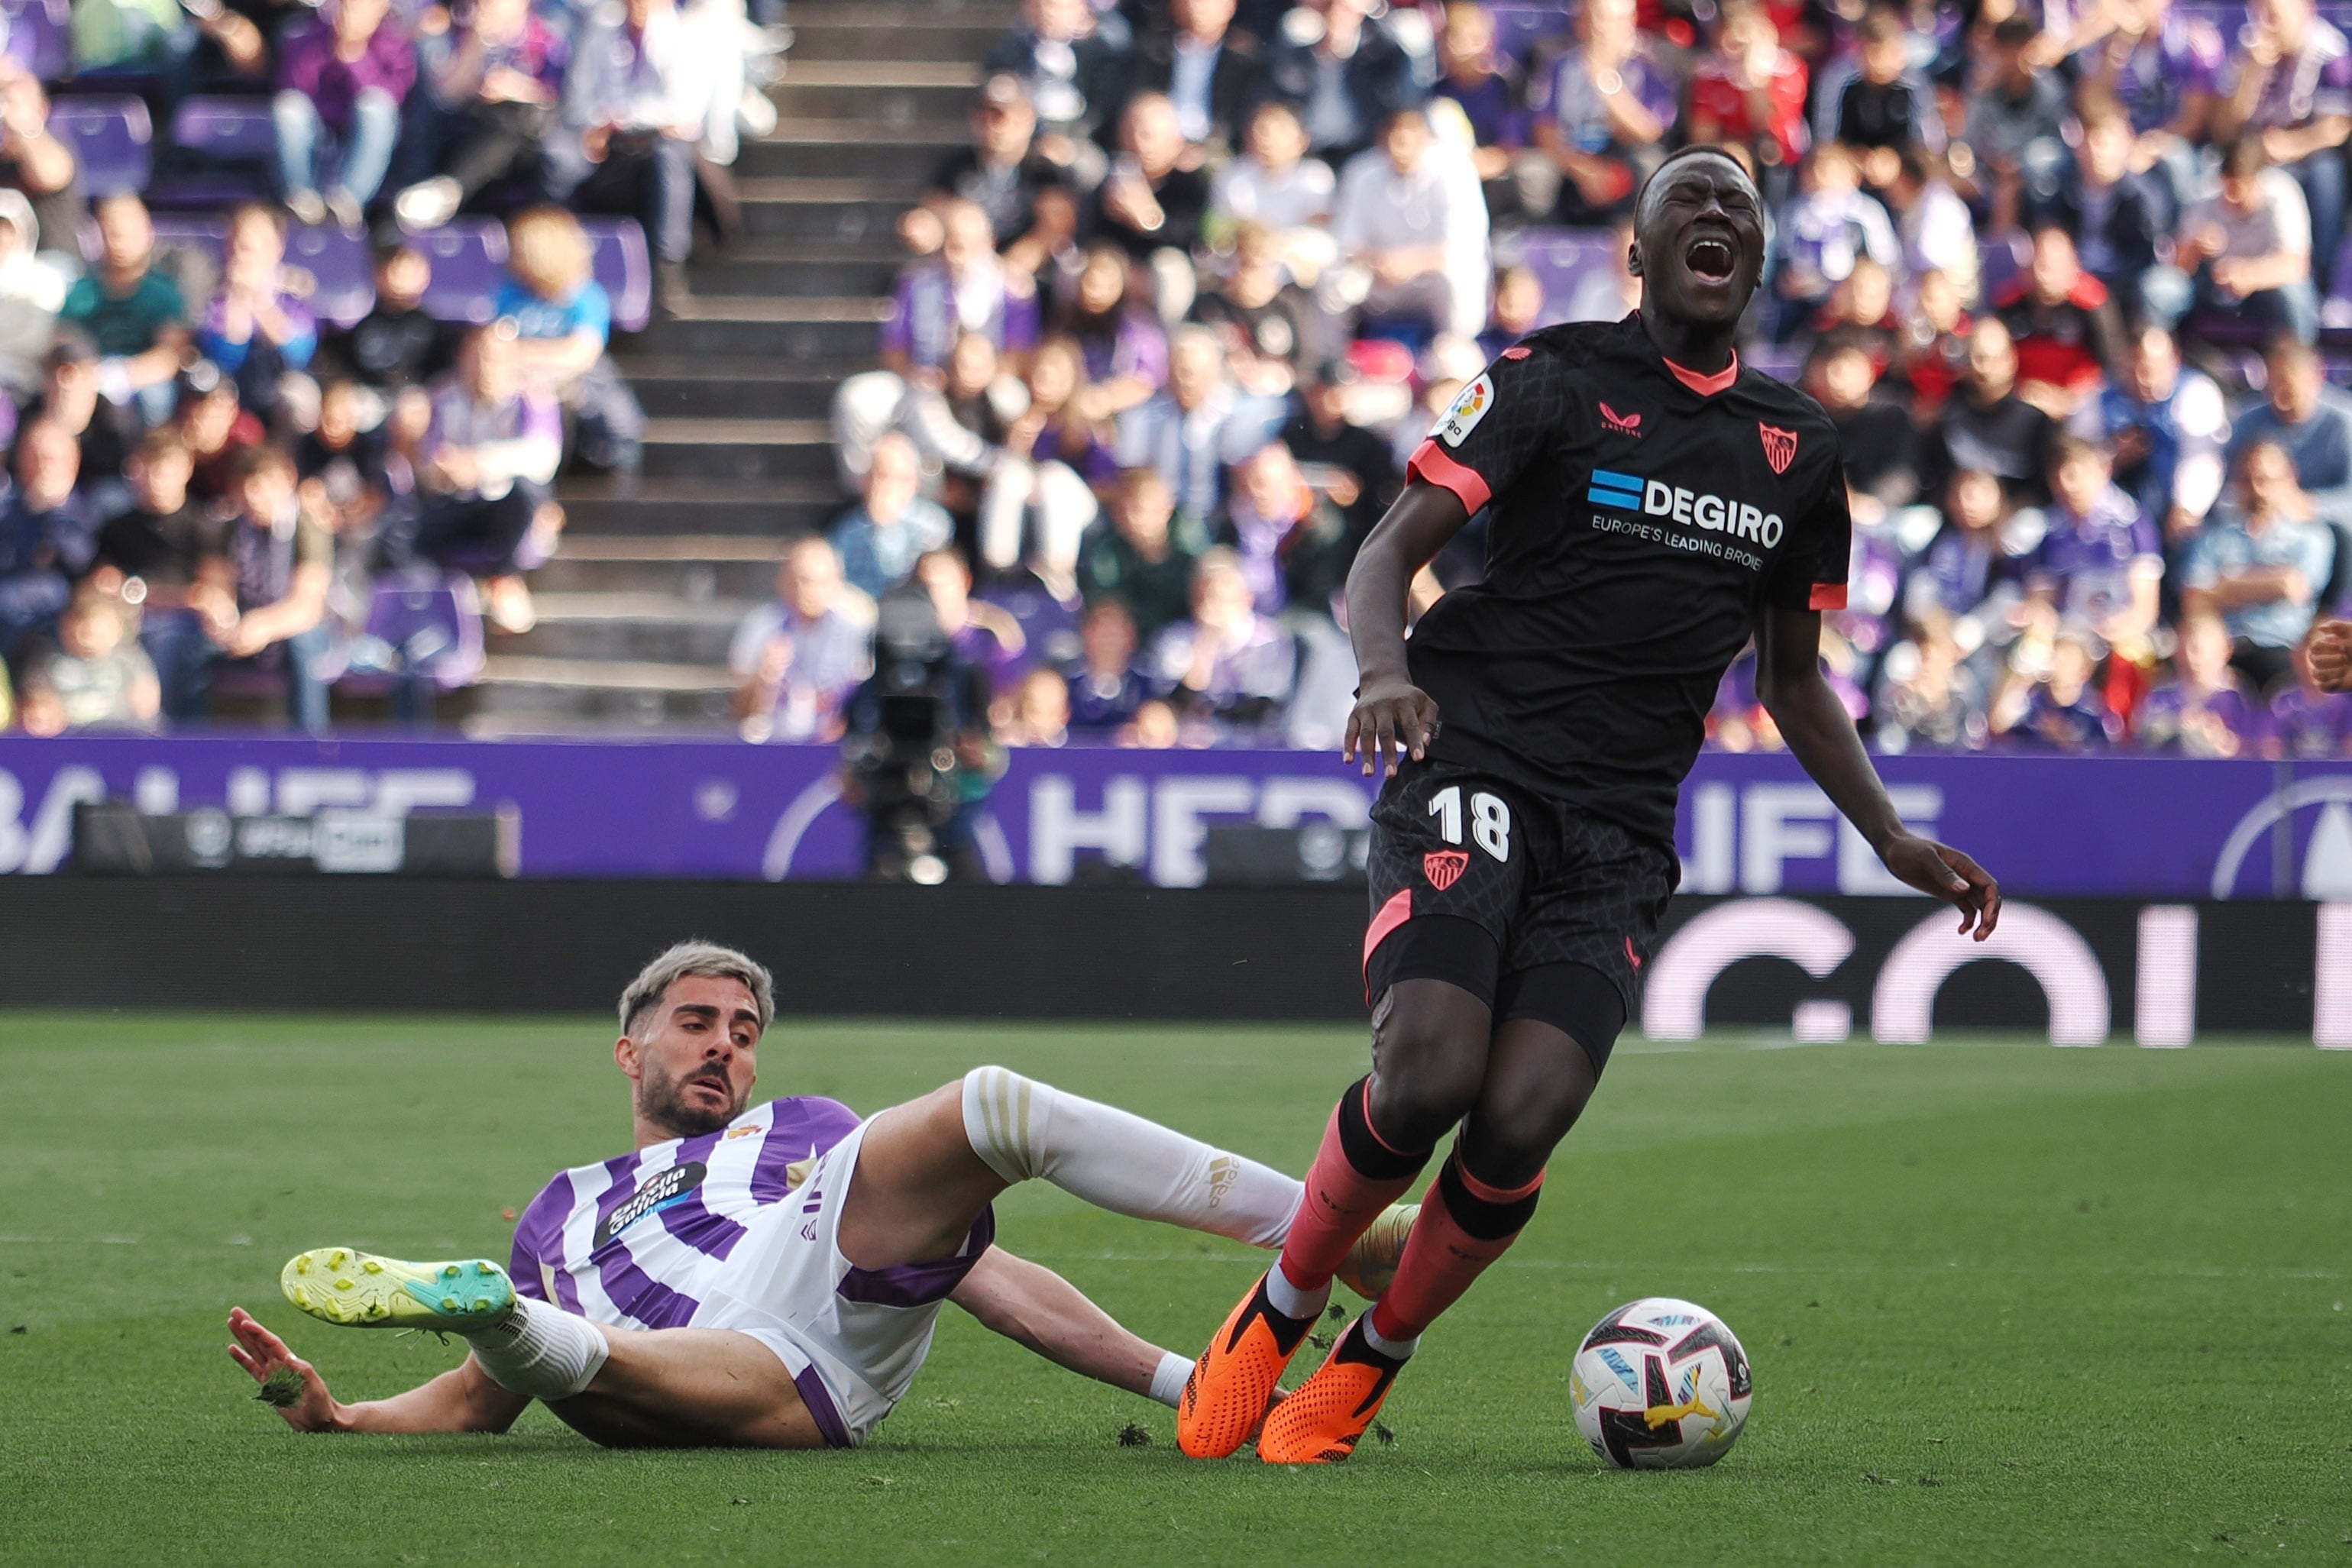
[{"x": 629, "y": 1242}]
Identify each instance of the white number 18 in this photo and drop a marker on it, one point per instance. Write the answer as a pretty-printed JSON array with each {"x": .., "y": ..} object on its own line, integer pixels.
[{"x": 1490, "y": 819}]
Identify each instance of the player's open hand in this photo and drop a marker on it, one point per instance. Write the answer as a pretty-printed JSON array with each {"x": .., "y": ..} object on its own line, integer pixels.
[
  {"x": 2331, "y": 656},
  {"x": 1392, "y": 720},
  {"x": 267, "y": 1357},
  {"x": 1951, "y": 876}
]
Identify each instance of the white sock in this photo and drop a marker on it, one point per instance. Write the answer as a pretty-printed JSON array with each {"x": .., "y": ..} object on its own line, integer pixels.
[
  {"x": 1394, "y": 1349},
  {"x": 1025, "y": 1130},
  {"x": 1290, "y": 1300},
  {"x": 1168, "y": 1382},
  {"x": 541, "y": 1351}
]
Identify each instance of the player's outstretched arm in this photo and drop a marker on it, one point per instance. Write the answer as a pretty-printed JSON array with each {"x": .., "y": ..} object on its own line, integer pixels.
[
  {"x": 1031, "y": 1305},
  {"x": 1822, "y": 736},
  {"x": 1394, "y": 719},
  {"x": 463, "y": 1400},
  {"x": 2331, "y": 656}
]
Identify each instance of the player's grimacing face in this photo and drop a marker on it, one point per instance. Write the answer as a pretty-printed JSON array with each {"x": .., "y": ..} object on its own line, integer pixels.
[
  {"x": 1698, "y": 240},
  {"x": 694, "y": 1055}
]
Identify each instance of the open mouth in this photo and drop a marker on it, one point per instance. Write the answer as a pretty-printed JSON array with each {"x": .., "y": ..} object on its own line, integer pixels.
[
  {"x": 716, "y": 1085},
  {"x": 1709, "y": 259}
]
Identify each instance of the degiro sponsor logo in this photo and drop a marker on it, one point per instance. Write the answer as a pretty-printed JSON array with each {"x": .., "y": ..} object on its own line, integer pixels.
[{"x": 1715, "y": 514}]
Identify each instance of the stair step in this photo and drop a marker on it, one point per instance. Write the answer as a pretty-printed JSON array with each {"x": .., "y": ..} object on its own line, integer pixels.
[
  {"x": 810, "y": 328},
  {"x": 630, "y": 628},
  {"x": 924, "y": 14},
  {"x": 703, "y": 570},
  {"x": 746, "y": 449},
  {"x": 734, "y": 272},
  {"x": 821, "y": 90},
  {"x": 680, "y": 504},
  {"x": 633, "y": 693},
  {"x": 816, "y": 221},
  {"x": 809, "y": 190},
  {"x": 687, "y": 388},
  {"x": 860, "y": 158},
  {"x": 867, "y": 39},
  {"x": 874, "y": 74},
  {"x": 793, "y": 131}
]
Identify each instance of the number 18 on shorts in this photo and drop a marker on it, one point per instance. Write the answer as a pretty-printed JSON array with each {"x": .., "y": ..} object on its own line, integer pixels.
[{"x": 1474, "y": 881}]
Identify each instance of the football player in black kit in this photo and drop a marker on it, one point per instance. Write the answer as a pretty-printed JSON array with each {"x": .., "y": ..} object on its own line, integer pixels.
[{"x": 1653, "y": 506}]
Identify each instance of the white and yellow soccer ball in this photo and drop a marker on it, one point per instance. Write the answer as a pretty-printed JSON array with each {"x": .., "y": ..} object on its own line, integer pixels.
[{"x": 1660, "y": 1384}]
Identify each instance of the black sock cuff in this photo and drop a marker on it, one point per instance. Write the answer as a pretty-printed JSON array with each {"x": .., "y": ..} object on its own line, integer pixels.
[
  {"x": 1365, "y": 1151},
  {"x": 1482, "y": 1218}
]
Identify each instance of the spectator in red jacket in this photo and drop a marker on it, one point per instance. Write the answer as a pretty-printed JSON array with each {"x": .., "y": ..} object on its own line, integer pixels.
[{"x": 2069, "y": 336}]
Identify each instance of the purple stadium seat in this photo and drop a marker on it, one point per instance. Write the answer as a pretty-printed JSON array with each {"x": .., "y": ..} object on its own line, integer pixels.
[
  {"x": 469, "y": 259},
  {"x": 38, "y": 36},
  {"x": 625, "y": 268},
  {"x": 111, "y": 137},
  {"x": 422, "y": 624},
  {"x": 228, "y": 149},
  {"x": 1561, "y": 259},
  {"x": 344, "y": 269},
  {"x": 235, "y": 130}
]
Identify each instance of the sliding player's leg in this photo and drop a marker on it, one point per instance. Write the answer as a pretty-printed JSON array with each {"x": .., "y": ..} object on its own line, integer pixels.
[
  {"x": 620, "y": 1387},
  {"x": 928, "y": 1167},
  {"x": 1538, "y": 1080},
  {"x": 1429, "y": 1052}
]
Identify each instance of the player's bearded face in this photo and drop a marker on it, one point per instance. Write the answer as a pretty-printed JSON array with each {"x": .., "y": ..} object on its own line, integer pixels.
[
  {"x": 697, "y": 1097},
  {"x": 1700, "y": 236}
]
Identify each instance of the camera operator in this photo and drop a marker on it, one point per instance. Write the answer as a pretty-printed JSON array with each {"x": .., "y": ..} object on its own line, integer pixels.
[{"x": 918, "y": 757}]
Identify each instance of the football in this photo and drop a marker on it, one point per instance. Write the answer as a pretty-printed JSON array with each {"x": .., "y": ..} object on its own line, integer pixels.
[{"x": 1660, "y": 1384}]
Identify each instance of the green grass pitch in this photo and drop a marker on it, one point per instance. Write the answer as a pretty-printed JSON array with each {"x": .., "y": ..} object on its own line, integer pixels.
[{"x": 2005, "y": 1302}]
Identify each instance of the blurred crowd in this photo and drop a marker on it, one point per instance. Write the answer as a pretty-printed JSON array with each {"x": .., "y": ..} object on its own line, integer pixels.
[
  {"x": 273, "y": 428},
  {"x": 1172, "y": 323}
]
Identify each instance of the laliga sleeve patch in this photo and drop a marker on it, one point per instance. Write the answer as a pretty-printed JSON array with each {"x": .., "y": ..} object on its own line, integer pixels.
[{"x": 1468, "y": 409}]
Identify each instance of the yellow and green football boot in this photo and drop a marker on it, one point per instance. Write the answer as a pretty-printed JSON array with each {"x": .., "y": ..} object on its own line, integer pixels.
[
  {"x": 356, "y": 1290},
  {"x": 1370, "y": 1265}
]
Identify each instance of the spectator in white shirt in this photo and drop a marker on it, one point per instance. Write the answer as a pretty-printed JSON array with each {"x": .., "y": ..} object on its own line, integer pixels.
[
  {"x": 637, "y": 103},
  {"x": 797, "y": 658},
  {"x": 1397, "y": 225},
  {"x": 1275, "y": 183},
  {"x": 2244, "y": 254}
]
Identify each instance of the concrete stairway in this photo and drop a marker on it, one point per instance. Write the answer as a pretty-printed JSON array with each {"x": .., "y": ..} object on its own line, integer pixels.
[{"x": 636, "y": 607}]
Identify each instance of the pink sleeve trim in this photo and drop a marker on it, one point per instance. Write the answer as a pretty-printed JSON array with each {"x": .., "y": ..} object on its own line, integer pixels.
[
  {"x": 1430, "y": 463},
  {"x": 1827, "y": 596}
]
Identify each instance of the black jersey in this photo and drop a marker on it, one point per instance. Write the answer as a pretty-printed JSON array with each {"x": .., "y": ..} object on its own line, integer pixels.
[{"x": 1641, "y": 517}]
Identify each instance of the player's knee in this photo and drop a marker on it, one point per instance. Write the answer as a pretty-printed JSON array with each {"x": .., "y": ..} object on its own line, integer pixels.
[
  {"x": 1417, "y": 1094},
  {"x": 1000, "y": 1109},
  {"x": 1511, "y": 1138}
]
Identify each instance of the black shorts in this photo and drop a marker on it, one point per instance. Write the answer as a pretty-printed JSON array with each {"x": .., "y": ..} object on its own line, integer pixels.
[{"x": 1484, "y": 886}]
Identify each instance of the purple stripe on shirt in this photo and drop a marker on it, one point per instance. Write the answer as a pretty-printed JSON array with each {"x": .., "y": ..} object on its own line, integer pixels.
[
  {"x": 803, "y": 1124},
  {"x": 821, "y": 1408},
  {"x": 540, "y": 1237},
  {"x": 924, "y": 1284},
  {"x": 689, "y": 1219},
  {"x": 629, "y": 1288}
]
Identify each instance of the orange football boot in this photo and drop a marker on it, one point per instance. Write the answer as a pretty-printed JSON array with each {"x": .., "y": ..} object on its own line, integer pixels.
[
  {"x": 1226, "y": 1395},
  {"x": 1319, "y": 1421}
]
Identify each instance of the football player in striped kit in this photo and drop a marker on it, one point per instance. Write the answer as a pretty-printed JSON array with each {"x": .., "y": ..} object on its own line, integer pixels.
[{"x": 768, "y": 1275}]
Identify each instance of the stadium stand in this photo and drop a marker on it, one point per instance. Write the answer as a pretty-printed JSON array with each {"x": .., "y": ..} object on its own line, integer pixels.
[{"x": 1085, "y": 241}]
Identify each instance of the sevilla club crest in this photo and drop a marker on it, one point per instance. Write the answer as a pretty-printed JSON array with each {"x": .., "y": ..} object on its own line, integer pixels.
[
  {"x": 1780, "y": 445},
  {"x": 1443, "y": 868}
]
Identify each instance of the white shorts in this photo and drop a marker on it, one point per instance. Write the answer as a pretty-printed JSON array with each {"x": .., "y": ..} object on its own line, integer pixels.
[{"x": 852, "y": 1338}]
